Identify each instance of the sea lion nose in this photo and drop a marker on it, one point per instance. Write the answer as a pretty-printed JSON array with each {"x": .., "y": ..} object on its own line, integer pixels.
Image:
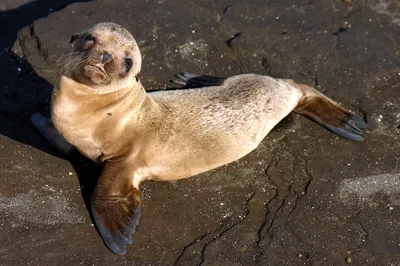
[{"x": 106, "y": 57}]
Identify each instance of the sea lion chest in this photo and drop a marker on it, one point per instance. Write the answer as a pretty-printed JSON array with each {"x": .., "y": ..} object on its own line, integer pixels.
[{"x": 90, "y": 122}]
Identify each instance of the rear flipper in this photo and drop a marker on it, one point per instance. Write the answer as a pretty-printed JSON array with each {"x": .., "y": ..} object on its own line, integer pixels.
[
  {"x": 50, "y": 133},
  {"x": 329, "y": 114},
  {"x": 189, "y": 80}
]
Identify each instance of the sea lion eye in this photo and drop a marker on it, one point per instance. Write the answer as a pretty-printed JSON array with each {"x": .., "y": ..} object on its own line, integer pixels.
[
  {"x": 90, "y": 38},
  {"x": 128, "y": 63},
  {"x": 89, "y": 41}
]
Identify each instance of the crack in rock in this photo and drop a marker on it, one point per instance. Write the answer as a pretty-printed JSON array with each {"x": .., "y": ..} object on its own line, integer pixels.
[
  {"x": 198, "y": 239},
  {"x": 366, "y": 235},
  {"x": 42, "y": 51},
  {"x": 268, "y": 222},
  {"x": 241, "y": 219},
  {"x": 225, "y": 11},
  {"x": 310, "y": 178},
  {"x": 231, "y": 39},
  {"x": 290, "y": 200},
  {"x": 218, "y": 229}
]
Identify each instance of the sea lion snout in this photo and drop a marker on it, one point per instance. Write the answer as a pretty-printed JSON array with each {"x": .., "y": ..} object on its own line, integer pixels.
[
  {"x": 96, "y": 74},
  {"x": 106, "y": 58}
]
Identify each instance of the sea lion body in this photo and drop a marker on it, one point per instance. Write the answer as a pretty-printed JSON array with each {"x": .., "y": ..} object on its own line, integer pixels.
[
  {"x": 100, "y": 107},
  {"x": 169, "y": 135}
]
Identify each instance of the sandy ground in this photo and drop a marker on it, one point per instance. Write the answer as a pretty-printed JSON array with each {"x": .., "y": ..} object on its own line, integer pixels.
[{"x": 304, "y": 197}]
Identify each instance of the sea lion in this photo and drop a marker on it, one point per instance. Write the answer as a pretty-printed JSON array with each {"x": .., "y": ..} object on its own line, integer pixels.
[{"x": 100, "y": 107}]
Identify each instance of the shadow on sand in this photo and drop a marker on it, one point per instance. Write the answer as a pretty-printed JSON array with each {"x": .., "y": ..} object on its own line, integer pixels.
[{"x": 25, "y": 92}]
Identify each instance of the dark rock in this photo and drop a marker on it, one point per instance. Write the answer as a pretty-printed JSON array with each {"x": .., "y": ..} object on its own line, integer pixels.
[{"x": 303, "y": 191}]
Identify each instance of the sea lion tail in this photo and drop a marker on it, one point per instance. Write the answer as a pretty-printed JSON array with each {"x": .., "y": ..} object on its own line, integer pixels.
[{"x": 329, "y": 114}]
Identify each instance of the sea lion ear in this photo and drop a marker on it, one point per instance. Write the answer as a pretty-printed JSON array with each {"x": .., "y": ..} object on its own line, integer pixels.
[
  {"x": 73, "y": 38},
  {"x": 137, "y": 77}
]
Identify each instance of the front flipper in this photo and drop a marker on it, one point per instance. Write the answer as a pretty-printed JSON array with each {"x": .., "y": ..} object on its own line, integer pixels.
[
  {"x": 329, "y": 114},
  {"x": 115, "y": 205},
  {"x": 189, "y": 80},
  {"x": 50, "y": 133}
]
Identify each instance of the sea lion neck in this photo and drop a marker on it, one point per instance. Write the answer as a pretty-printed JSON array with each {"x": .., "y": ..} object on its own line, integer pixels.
[
  {"x": 71, "y": 87},
  {"x": 86, "y": 99},
  {"x": 67, "y": 83}
]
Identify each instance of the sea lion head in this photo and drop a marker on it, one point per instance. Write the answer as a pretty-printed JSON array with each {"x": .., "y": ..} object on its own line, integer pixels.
[{"x": 104, "y": 55}]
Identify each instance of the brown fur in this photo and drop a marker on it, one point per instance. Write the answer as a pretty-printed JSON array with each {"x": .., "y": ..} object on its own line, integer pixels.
[
  {"x": 318, "y": 107},
  {"x": 162, "y": 135},
  {"x": 85, "y": 63},
  {"x": 172, "y": 134}
]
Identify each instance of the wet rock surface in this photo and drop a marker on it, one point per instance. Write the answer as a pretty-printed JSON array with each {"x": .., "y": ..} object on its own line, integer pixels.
[{"x": 304, "y": 197}]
